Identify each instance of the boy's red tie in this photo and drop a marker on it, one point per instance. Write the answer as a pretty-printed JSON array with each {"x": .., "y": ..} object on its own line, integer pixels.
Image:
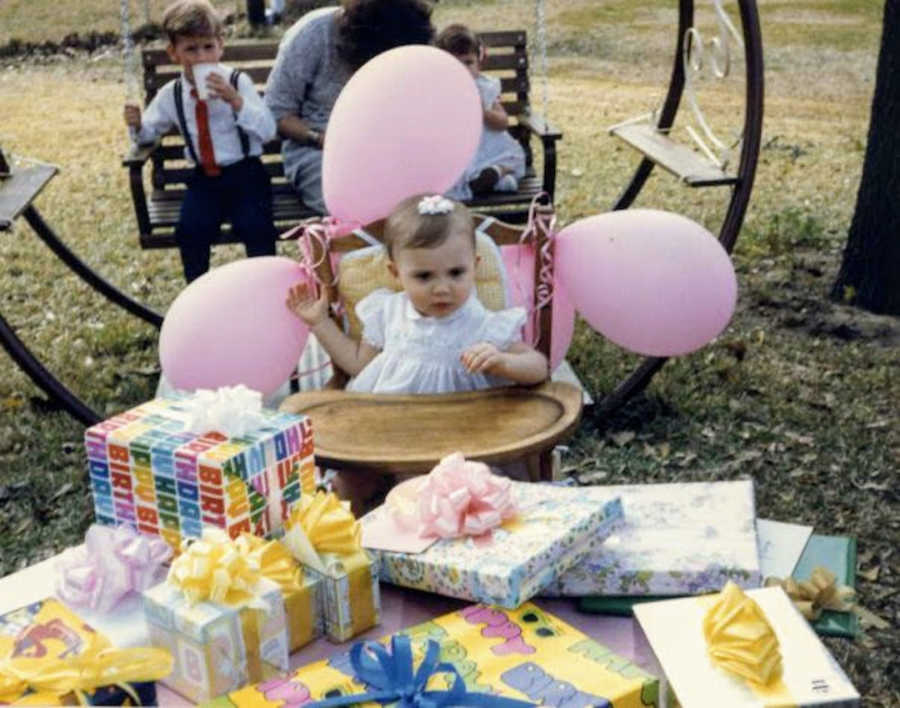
[{"x": 204, "y": 139}]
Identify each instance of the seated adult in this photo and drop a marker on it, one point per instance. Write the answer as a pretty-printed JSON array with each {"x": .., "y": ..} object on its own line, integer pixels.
[{"x": 317, "y": 56}]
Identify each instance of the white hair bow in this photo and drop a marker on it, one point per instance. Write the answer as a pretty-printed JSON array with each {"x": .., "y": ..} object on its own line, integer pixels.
[{"x": 435, "y": 204}]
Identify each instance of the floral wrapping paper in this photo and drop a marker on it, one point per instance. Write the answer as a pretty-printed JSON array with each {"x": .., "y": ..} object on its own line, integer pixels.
[
  {"x": 149, "y": 472},
  {"x": 526, "y": 653},
  {"x": 677, "y": 539},
  {"x": 217, "y": 648},
  {"x": 555, "y": 529},
  {"x": 50, "y": 629}
]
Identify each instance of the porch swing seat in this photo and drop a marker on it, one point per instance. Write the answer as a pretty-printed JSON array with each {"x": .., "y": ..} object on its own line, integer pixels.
[{"x": 388, "y": 433}]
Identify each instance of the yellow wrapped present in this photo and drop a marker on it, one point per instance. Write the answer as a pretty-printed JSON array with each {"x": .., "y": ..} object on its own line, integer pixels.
[
  {"x": 325, "y": 537},
  {"x": 300, "y": 590},
  {"x": 480, "y": 655},
  {"x": 49, "y": 656},
  {"x": 222, "y": 620}
]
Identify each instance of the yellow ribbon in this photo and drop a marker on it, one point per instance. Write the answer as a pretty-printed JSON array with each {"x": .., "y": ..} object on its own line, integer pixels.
[
  {"x": 820, "y": 592},
  {"x": 215, "y": 568},
  {"x": 278, "y": 565},
  {"x": 740, "y": 639},
  {"x": 98, "y": 665},
  {"x": 274, "y": 561},
  {"x": 322, "y": 525},
  {"x": 323, "y": 534}
]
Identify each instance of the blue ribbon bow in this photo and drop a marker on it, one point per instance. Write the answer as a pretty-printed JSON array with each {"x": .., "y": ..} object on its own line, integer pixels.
[{"x": 390, "y": 674}]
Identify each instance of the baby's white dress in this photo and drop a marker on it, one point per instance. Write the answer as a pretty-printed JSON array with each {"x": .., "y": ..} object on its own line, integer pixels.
[{"x": 422, "y": 354}]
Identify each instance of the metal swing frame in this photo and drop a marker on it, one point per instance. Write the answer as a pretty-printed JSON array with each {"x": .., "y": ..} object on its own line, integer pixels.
[{"x": 19, "y": 189}]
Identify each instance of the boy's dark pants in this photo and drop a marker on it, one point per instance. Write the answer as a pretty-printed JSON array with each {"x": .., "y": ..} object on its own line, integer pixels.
[{"x": 243, "y": 195}]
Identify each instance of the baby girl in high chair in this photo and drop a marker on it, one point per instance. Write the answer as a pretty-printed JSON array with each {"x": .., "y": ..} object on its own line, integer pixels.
[{"x": 434, "y": 336}]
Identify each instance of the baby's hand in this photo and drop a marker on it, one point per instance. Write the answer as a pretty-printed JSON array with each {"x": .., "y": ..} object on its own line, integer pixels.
[
  {"x": 219, "y": 87},
  {"x": 311, "y": 310},
  {"x": 132, "y": 115},
  {"x": 482, "y": 358}
]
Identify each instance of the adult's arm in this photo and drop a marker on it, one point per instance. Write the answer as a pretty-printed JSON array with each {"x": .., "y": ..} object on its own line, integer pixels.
[{"x": 297, "y": 65}]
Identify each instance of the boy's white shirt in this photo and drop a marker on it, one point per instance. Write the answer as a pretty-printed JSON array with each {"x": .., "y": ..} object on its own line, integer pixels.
[{"x": 254, "y": 118}]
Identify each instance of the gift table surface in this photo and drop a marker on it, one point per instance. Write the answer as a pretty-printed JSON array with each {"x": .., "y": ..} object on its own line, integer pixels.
[{"x": 401, "y": 608}]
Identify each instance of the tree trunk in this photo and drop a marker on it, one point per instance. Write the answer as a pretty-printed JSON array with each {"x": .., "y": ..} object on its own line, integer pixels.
[{"x": 870, "y": 272}]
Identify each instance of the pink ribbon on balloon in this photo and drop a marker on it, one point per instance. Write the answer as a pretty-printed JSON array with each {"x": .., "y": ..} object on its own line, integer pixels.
[
  {"x": 539, "y": 223},
  {"x": 321, "y": 230},
  {"x": 458, "y": 498},
  {"x": 113, "y": 562}
]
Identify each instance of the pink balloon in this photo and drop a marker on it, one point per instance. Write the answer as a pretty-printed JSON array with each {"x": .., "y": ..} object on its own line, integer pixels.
[
  {"x": 231, "y": 326},
  {"x": 407, "y": 122},
  {"x": 519, "y": 262},
  {"x": 653, "y": 282}
]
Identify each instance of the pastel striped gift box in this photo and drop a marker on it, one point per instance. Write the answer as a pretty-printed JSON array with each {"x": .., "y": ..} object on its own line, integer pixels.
[{"x": 147, "y": 471}]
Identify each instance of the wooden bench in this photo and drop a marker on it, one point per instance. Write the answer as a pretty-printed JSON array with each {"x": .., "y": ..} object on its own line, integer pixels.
[{"x": 157, "y": 203}]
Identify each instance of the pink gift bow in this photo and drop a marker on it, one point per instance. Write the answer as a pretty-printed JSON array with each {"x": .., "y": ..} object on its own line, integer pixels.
[
  {"x": 112, "y": 563},
  {"x": 459, "y": 498}
]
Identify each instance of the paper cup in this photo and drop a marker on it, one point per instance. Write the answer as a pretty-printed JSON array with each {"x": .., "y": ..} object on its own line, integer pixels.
[{"x": 201, "y": 71}]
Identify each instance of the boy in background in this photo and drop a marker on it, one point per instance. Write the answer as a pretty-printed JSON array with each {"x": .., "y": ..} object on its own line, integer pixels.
[{"x": 224, "y": 135}]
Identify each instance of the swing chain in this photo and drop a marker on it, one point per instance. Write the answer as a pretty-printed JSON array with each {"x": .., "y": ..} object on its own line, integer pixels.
[
  {"x": 541, "y": 34},
  {"x": 129, "y": 55}
]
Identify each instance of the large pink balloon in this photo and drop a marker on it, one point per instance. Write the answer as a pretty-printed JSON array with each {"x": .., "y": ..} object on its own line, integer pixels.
[
  {"x": 519, "y": 262},
  {"x": 407, "y": 122},
  {"x": 653, "y": 282},
  {"x": 231, "y": 326}
]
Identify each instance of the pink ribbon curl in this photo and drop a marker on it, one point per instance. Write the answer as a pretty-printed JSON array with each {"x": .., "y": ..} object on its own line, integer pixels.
[
  {"x": 112, "y": 563},
  {"x": 463, "y": 498},
  {"x": 540, "y": 229}
]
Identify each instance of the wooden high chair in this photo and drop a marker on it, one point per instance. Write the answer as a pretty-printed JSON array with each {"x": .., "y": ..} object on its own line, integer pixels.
[{"x": 390, "y": 433}]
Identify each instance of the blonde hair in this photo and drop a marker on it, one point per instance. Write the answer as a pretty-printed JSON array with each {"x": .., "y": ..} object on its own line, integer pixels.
[
  {"x": 192, "y": 18},
  {"x": 407, "y": 227}
]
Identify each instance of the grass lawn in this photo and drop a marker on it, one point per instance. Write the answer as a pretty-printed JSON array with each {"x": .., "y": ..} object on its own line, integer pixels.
[{"x": 799, "y": 393}]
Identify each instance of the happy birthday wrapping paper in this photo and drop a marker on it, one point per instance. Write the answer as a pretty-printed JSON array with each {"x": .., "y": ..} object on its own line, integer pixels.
[{"x": 148, "y": 471}]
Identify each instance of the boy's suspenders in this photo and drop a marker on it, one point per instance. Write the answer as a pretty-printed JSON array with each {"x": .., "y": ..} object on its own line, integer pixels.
[{"x": 179, "y": 109}]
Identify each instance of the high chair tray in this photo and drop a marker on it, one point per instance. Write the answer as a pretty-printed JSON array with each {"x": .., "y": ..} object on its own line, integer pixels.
[{"x": 411, "y": 433}]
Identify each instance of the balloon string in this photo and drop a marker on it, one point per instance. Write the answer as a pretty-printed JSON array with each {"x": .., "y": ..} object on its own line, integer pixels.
[
  {"x": 322, "y": 230},
  {"x": 540, "y": 224}
]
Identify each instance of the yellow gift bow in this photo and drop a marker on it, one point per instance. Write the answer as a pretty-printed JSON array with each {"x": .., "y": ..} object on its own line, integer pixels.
[
  {"x": 321, "y": 525},
  {"x": 98, "y": 665},
  {"x": 739, "y": 638},
  {"x": 217, "y": 569},
  {"x": 323, "y": 534},
  {"x": 820, "y": 592},
  {"x": 278, "y": 565},
  {"x": 274, "y": 561}
]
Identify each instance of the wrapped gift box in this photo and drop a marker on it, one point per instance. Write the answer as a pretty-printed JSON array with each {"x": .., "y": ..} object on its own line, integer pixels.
[
  {"x": 677, "y": 539},
  {"x": 556, "y": 527},
  {"x": 351, "y": 601},
  {"x": 810, "y": 675},
  {"x": 526, "y": 653},
  {"x": 301, "y": 591},
  {"x": 324, "y": 537},
  {"x": 49, "y": 629},
  {"x": 149, "y": 471},
  {"x": 218, "y": 648}
]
